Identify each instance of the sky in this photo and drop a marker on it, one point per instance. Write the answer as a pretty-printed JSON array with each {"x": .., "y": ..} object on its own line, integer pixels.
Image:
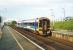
[{"x": 30, "y": 9}]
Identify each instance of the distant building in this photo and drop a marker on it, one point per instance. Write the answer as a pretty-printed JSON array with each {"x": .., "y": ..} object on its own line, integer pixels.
[{"x": 68, "y": 18}]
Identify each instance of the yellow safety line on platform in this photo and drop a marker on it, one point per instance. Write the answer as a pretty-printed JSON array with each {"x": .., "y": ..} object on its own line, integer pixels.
[{"x": 16, "y": 40}]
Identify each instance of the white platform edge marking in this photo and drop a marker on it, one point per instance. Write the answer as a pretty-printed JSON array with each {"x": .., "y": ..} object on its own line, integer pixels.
[
  {"x": 30, "y": 40},
  {"x": 16, "y": 41}
]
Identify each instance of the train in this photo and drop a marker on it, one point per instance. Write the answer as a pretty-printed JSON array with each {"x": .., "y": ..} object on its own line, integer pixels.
[{"x": 40, "y": 26}]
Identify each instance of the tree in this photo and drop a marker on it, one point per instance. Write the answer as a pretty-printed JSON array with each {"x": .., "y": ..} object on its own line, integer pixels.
[{"x": 13, "y": 23}]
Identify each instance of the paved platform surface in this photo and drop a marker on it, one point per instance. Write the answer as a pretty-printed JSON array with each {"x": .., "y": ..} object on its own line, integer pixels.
[
  {"x": 7, "y": 42},
  {"x": 11, "y": 40},
  {"x": 26, "y": 44}
]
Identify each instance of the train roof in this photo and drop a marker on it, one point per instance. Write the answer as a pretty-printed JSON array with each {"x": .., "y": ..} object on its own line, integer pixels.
[
  {"x": 33, "y": 20},
  {"x": 29, "y": 21},
  {"x": 43, "y": 18}
]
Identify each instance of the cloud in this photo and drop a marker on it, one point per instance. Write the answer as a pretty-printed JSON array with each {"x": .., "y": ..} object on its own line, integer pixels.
[
  {"x": 29, "y": 8},
  {"x": 34, "y": 3},
  {"x": 18, "y": 2}
]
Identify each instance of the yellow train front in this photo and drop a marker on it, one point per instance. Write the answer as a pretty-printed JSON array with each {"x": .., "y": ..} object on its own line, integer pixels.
[{"x": 43, "y": 27}]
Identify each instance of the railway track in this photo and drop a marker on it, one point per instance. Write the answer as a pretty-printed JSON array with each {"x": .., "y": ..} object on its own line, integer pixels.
[
  {"x": 68, "y": 43},
  {"x": 45, "y": 42}
]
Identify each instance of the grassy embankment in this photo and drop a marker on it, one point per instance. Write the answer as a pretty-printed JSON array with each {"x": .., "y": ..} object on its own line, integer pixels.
[{"x": 64, "y": 25}]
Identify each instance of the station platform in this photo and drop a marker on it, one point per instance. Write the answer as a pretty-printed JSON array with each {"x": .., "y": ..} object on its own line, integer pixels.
[
  {"x": 7, "y": 42},
  {"x": 12, "y": 40}
]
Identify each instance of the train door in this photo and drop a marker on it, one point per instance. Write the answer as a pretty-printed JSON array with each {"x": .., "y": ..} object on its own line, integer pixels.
[{"x": 44, "y": 26}]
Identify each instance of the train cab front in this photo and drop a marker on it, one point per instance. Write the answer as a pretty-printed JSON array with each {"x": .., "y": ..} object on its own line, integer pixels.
[{"x": 44, "y": 25}]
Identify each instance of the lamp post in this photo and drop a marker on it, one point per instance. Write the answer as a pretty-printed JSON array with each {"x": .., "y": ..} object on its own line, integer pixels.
[
  {"x": 63, "y": 13},
  {"x": 53, "y": 16}
]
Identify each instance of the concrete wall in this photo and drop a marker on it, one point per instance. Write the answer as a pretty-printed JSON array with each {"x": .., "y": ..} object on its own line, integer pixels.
[{"x": 63, "y": 36}]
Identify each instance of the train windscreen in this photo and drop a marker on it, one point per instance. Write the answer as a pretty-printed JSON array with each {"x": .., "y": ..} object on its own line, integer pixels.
[{"x": 44, "y": 23}]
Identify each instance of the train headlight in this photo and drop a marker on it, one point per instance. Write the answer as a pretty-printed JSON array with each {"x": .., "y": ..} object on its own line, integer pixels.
[
  {"x": 40, "y": 32},
  {"x": 48, "y": 31}
]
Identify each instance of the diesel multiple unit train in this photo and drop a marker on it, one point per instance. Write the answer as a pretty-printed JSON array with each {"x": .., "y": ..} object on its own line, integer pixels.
[{"x": 40, "y": 26}]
